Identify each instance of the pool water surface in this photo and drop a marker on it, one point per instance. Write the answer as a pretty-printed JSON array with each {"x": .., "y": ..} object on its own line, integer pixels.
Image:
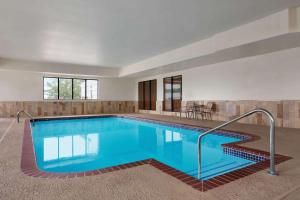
[{"x": 80, "y": 145}]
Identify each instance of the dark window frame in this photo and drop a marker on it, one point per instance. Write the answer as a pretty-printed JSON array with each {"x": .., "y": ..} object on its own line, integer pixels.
[
  {"x": 172, "y": 92},
  {"x": 58, "y": 96}
]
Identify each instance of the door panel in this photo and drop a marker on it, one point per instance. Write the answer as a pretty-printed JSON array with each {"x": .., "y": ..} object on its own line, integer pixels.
[
  {"x": 147, "y": 95},
  {"x": 141, "y": 96},
  {"x": 153, "y": 94}
]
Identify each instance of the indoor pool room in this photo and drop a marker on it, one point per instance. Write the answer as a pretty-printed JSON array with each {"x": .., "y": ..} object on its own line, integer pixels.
[{"x": 150, "y": 100}]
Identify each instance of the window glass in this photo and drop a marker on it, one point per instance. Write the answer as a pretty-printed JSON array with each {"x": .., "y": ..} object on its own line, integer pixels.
[
  {"x": 65, "y": 88},
  {"x": 168, "y": 94},
  {"x": 70, "y": 88},
  {"x": 91, "y": 89},
  {"x": 50, "y": 88},
  {"x": 177, "y": 81},
  {"x": 78, "y": 89},
  {"x": 172, "y": 93},
  {"x": 168, "y": 88}
]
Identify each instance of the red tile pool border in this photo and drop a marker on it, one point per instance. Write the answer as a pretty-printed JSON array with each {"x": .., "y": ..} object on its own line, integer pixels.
[{"x": 29, "y": 167}]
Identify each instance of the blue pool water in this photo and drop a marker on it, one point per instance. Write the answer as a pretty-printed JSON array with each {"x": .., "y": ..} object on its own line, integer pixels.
[{"x": 80, "y": 145}]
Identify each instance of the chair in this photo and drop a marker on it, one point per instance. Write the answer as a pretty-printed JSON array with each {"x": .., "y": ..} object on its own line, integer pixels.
[
  {"x": 208, "y": 110},
  {"x": 199, "y": 110},
  {"x": 188, "y": 109}
]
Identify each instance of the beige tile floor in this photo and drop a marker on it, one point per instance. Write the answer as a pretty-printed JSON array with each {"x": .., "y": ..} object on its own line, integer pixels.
[{"x": 146, "y": 182}]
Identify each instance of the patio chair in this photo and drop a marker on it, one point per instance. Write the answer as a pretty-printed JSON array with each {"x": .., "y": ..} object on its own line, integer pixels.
[
  {"x": 199, "y": 110},
  {"x": 188, "y": 110},
  {"x": 208, "y": 110}
]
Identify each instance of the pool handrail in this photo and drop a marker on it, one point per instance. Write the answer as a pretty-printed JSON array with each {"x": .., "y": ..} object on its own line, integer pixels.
[
  {"x": 272, "y": 169},
  {"x": 26, "y": 113}
]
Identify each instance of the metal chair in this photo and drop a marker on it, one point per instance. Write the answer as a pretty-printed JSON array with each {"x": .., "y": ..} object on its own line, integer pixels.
[
  {"x": 208, "y": 110},
  {"x": 188, "y": 109},
  {"x": 199, "y": 110}
]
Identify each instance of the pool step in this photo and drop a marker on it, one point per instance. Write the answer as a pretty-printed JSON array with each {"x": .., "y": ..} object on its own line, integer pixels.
[{"x": 218, "y": 169}]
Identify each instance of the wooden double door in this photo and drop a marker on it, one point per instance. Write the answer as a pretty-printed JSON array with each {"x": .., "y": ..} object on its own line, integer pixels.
[{"x": 147, "y": 94}]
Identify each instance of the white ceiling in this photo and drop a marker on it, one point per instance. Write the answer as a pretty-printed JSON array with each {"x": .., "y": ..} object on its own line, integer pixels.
[{"x": 116, "y": 33}]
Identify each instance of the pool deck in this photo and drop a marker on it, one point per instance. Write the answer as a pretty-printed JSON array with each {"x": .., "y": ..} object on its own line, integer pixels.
[{"x": 147, "y": 182}]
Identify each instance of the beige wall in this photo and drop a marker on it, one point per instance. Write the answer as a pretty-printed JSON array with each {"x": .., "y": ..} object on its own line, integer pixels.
[
  {"x": 274, "y": 76},
  {"x": 271, "y": 81},
  {"x": 28, "y": 86},
  {"x": 20, "y": 90},
  {"x": 20, "y": 86}
]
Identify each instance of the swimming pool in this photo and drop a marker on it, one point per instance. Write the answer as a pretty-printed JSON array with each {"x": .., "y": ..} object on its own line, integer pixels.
[{"x": 80, "y": 145}]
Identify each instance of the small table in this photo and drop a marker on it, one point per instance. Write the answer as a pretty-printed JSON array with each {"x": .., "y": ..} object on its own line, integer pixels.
[{"x": 193, "y": 110}]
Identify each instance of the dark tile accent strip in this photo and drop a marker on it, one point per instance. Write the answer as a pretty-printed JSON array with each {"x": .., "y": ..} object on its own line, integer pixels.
[{"x": 29, "y": 167}]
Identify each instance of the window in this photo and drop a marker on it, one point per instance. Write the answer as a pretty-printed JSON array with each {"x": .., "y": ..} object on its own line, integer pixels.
[
  {"x": 168, "y": 94},
  {"x": 50, "y": 88},
  {"x": 91, "y": 89},
  {"x": 70, "y": 88},
  {"x": 78, "y": 89},
  {"x": 65, "y": 88},
  {"x": 172, "y": 93},
  {"x": 147, "y": 95}
]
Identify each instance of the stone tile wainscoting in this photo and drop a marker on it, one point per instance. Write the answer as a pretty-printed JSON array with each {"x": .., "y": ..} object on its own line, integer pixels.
[
  {"x": 286, "y": 112},
  {"x": 59, "y": 108}
]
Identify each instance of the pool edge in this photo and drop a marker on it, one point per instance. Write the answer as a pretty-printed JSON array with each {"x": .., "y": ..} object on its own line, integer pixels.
[{"x": 29, "y": 166}]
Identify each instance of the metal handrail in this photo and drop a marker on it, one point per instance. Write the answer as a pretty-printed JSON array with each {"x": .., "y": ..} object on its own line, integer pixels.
[
  {"x": 26, "y": 113},
  {"x": 272, "y": 170}
]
